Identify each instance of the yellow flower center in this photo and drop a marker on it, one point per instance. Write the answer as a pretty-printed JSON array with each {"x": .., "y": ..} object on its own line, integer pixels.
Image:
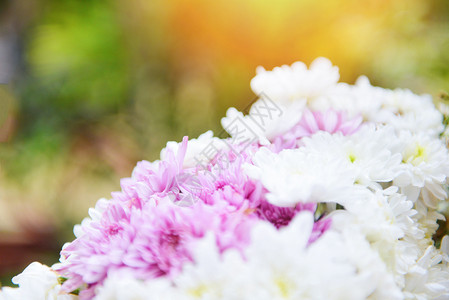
[
  {"x": 416, "y": 156},
  {"x": 198, "y": 291},
  {"x": 351, "y": 157},
  {"x": 283, "y": 286}
]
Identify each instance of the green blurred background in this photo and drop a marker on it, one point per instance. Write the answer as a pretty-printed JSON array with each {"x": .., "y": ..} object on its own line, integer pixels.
[{"x": 91, "y": 87}]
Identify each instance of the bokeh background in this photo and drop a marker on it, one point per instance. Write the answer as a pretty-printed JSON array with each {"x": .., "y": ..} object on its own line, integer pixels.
[{"x": 91, "y": 87}]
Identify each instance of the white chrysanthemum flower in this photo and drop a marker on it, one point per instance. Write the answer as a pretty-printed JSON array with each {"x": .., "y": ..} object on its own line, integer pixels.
[
  {"x": 211, "y": 275},
  {"x": 426, "y": 220},
  {"x": 369, "y": 265},
  {"x": 294, "y": 176},
  {"x": 326, "y": 166},
  {"x": 124, "y": 287},
  {"x": 273, "y": 118},
  {"x": 265, "y": 121},
  {"x": 367, "y": 153},
  {"x": 402, "y": 109},
  {"x": 206, "y": 143},
  {"x": 425, "y": 168},
  {"x": 385, "y": 219},
  {"x": 292, "y": 83},
  {"x": 384, "y": 215},
  {"x": 428, "y": 278},
  {"x": 36, "y": 282},
  {"x": 242, "y": 129},
  {"x": 359, "y": 99},
  {"x": 283, "y": 266},
  {"x": 408, "y": 111}
]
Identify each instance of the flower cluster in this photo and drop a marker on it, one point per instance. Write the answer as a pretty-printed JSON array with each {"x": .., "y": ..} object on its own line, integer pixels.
[{"x": 324, "y": 190}]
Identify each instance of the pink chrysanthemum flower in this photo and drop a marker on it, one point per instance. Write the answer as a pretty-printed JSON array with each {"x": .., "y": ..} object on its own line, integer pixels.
[
  {"x": 226, "y": 185},
  {"x": 153, "y": 180},
  {"x": 143, "y": 231},
  {"x": 313, "y": 121},
  {"x": 330, "y": 121},
  {"x": 87, "y": 259},
  {"x": 281, "y": 216},
  {"x": 148, "y": 243}
]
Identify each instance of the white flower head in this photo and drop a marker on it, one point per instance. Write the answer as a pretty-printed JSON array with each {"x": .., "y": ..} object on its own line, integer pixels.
[
  {"x": 211, "y": 275},
  {"x": 385, "y": 218},
  {"x": 195, "y": 147},
  {"x": 266, "y": 120},
  {"x": 428, "y": 278},
  {"x": 36, "y": 282},
  {"x": 294, "y": 176},
  {"x": 425, "y": 166},
  {"x": 360, "y": 99},
  {"x": 407, "y": 111},
  {"x": 426, "y": 220},
  {"x": 367, "y": 154},
  {"x": 282, "y": 265},
  {"x": 124, "y": 287},
  {"x": 287, "y": 84}
]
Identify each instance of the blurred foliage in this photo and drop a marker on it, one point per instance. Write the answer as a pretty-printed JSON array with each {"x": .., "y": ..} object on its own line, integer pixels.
[
  {"x": 99, "y": 85},
  {"x": 78, "y": 66}
]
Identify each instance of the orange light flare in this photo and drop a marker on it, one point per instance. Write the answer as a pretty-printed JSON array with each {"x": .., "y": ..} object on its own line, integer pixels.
[{"x": 253, "y": 33}]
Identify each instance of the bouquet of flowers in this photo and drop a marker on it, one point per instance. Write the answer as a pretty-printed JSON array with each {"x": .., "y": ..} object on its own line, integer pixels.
[{"x": 323, "y": 190}]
